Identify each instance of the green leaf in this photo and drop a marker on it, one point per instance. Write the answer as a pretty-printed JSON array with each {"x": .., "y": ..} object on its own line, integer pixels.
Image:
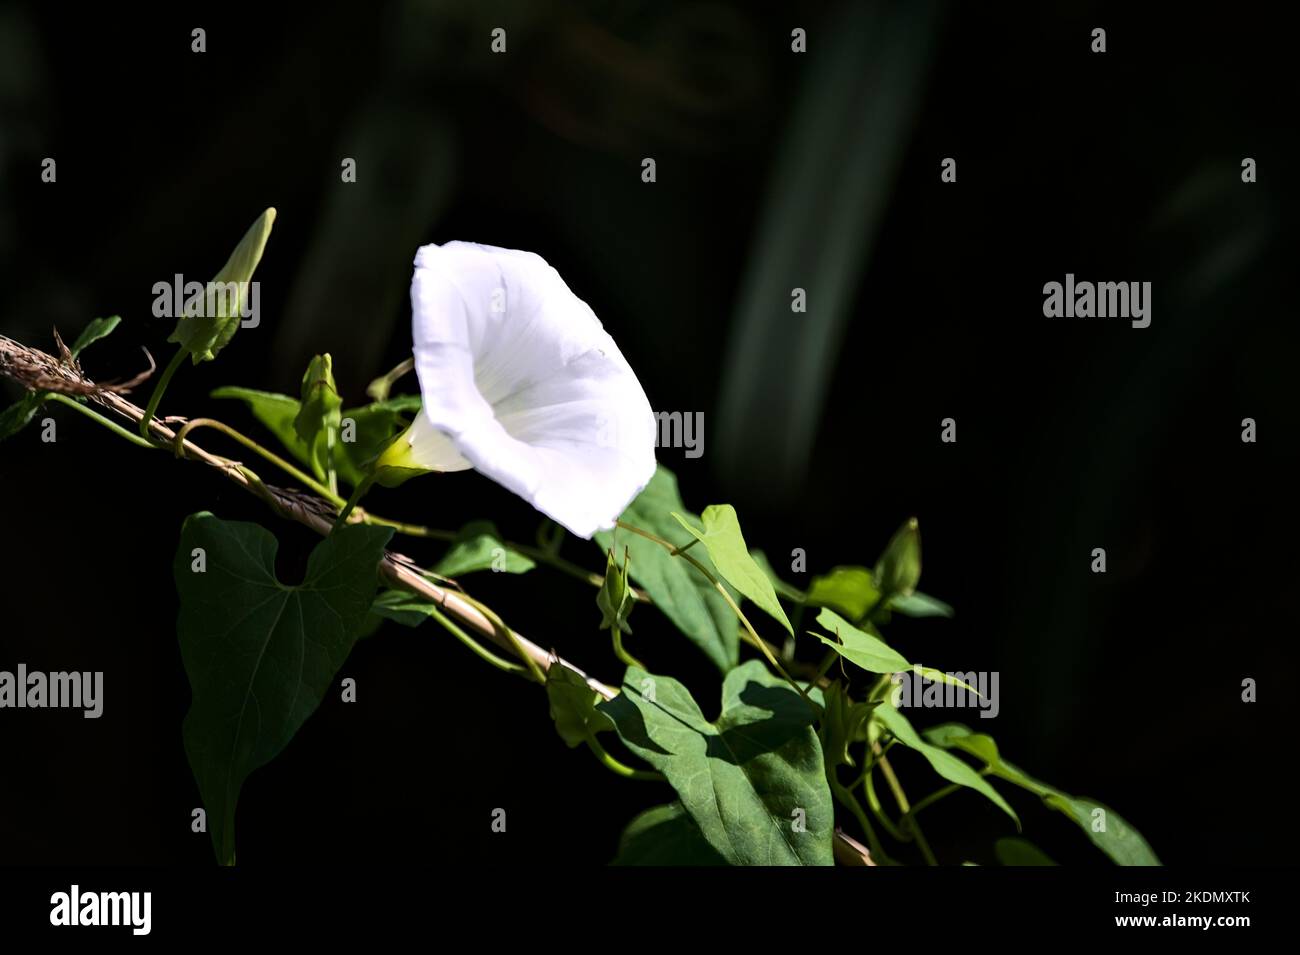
[
  {"x": 680, "y": 591},
  {"x": 726, "y": 546},
  {"x": 404, "y": 607},
  {"x": 843, "y": 723},
  {"x": 573, "y": 706},
  {"x": 1014, "y": 851},
  {"x": 899, "y": 567},
  {"x": 318, "y": 419},
  {"x": 372, "y": 427},
  {"x": 665, "y": 836},
  {"x": 20, "y": 414},
  {"x": 848, "y": 590},
  {"x": 943, "y": 762},
  {"x": 874, "y": 655},
  {"x": 478, "y": 546},
  {"x": 859, "y": 647},
  {"x": 788, "y": 591},
  {"x": 752, "y": 780},
  {"x": 276, "y": 412},
  {"x": 918, "y": 604},
  {"x": 207, "y": 328},
  {"x": 1120, "y": 841},
  {"x": 93, "y": 332},
  {"x": 261, "y": 655}
]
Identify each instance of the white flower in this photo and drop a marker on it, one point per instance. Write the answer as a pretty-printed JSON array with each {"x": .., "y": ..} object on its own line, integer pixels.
[{"x": 520, "y": 381}]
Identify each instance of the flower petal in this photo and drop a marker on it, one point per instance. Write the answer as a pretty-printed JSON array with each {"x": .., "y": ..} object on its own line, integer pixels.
[{"x": 520, "y": 379}]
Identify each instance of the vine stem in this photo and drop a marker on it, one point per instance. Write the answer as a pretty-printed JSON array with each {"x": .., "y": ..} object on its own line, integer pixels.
[
  {"x": 620, "y": 652},
  {"x": 873, "y": 803},
  {"x": 903, "y": 806},
  {"x": 357, "y": 494},
  {"x": 100, "y": 419},
  {"x": 931, "y": 799},
  {"x": 850, "y": 801},
  {"x": 540, "y": 554},
  {"x": 618, "y": 768},
  {"x": 477, "y": 648},
  {"x": 511, "y": 638},
  {"x": 160, "y": 389},
  {"x": 179, "y": 442}
]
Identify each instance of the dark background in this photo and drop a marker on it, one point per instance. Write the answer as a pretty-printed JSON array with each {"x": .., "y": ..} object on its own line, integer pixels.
[{"x": 775, "y": 170}]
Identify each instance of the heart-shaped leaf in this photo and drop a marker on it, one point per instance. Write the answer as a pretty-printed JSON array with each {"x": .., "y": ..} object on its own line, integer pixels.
[
  {"x": 752, "y": 780},
  {"x": 261, "y": 655},
  {"x": 665, "y": 836}
]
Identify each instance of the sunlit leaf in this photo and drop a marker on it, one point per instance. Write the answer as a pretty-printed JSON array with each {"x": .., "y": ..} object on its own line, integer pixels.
[
  {"x": 899, "y": 567},
  {"x": 573, "y": 706},
  {"x": 93, "y": 332},
  {"x": 944, "y": 763},
  {"x": 319, "y": 414},
  {"x": 477, "y": 547},
  {"x": 725, "y": 543},
  {"x": 849, "y": 590}
]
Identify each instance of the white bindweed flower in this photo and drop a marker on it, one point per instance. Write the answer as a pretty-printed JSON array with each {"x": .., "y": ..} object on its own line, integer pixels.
[{"x": 520, "y": 381}]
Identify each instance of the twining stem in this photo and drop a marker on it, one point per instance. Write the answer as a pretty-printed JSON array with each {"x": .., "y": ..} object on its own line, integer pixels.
[
  {"x": 381, "y": 386},
  {"x": 621, "y": 653},
  {"x": 160, "y": 389},
  {"x": 411, "y": 530},
  {"x": 478, "y": 649},
  {"x": 904, "y": 807},
  {"x": 879, "y": 687},
  {"x": 938, "y": 794},
  {"x": 541, "y": 555},
  {"x": 281, "y": 463},
  {"x": 933, "y": 798},
  {"x": 503, "y": 631},
  {"x": 753, "y": 636},
  {"x": 824, "y": 667},
  {"x": 873, "y": 801},
  {"x": 100, "y": 419},
  {"x": 621, "y": 769},
  {"x": 357, "y": 494}
]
